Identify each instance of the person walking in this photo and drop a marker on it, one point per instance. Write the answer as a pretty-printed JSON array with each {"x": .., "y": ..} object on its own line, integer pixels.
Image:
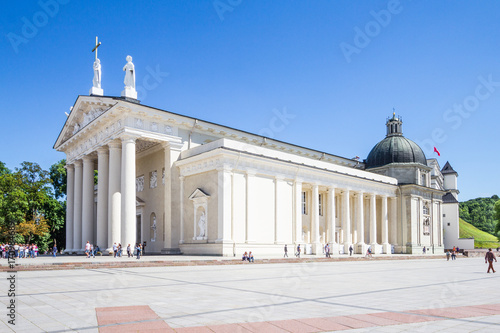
[
  {"x": 286, "y": 252},
  {"x": 138, "y": 249},
  {"x": 488, "y": 259},
  {"x": 54, "y": 250},
  {"x": 298, "y": 251},
  {"x": 350, "y": 250},
  {"x": 129, "y": 251},
  {"x": 115, "y": 249},
  {"x": 448, "y": 255}
]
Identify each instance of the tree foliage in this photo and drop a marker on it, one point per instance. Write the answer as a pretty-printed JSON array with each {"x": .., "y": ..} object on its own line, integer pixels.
[
  {"x": 480, "y": 213},
  {"x": 28, "y": 200},
  {"x": 497, "y": 218}
]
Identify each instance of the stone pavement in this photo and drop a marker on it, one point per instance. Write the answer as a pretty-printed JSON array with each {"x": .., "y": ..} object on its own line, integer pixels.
[{"x": 357, "y": 296}]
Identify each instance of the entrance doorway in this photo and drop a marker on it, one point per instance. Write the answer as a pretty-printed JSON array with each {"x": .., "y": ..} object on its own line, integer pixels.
[{"x": 138, "y": 233}]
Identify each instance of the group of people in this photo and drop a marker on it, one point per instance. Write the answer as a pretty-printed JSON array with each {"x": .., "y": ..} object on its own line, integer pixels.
[
  {"x": 247, "y": 256},
  {"x": 452, "y": 253},
  {"x": 20, "y": 250},
  {"x": 91, "y": 250},
  {"x": 138, "y": 249}
]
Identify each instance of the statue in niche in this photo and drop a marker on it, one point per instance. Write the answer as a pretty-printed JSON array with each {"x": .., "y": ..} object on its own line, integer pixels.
[
  {"x": 129, "y": 74},
  {"x": 97, "y": 74},
  {"x": 202, "y": 224},
  {"x": 153, "y": 227}
]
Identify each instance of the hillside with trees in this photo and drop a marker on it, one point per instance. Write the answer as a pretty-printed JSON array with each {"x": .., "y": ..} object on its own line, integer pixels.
[{"x": 481, "y": 213}]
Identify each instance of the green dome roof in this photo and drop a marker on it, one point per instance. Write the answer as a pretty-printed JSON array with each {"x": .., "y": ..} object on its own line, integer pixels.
[{"x": 395, "y": 149}]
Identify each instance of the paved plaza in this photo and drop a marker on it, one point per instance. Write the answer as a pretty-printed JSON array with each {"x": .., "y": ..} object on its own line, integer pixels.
[{"x": 355, "y": 296}]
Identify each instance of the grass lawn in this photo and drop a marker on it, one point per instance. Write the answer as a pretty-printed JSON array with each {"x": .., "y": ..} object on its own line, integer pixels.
[{"x": 481, "y": 239}]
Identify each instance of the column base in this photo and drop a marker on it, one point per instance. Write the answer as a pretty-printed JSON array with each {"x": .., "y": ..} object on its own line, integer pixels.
[
  {"x": 317, "y": 248},
  {"x": 376, "y": 248},
  {"x": 386, "y": 248},
  {"x": 334, "y": 248},
  {"x": 361, "y": 248},
  {"x": 172, "y": 251},
  {"x": 109, "y": 252}
]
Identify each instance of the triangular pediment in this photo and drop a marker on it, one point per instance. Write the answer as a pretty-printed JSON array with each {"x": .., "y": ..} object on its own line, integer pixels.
[
  {"x": 85, "y": 110},
  {"x": 198, "y": 193}
]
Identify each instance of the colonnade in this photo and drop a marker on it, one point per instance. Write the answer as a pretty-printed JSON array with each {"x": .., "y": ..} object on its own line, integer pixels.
[
  {"x": 357, "y": 214},
  {"x": 116, "y": 197}
]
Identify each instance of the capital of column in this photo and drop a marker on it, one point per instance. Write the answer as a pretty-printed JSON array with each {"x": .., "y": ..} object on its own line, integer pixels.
[
  {"x": 102, "y": 151},
  {"x": 181, "y": 178},
  {"x": 250, "y": 172},
  {"x": 128, "y": 138},
  {"x": 78, "y": 163},
  {"x": 279, "y": 177},
  {"x": 115, "y": 144},
  {"x": 70, "y": 167}
]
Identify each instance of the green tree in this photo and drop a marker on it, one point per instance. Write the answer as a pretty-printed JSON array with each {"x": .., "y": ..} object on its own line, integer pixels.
[
  {"x": 497, "y": 218},
  {"x": 58, "y": 176},
  {"x": 27, "y": 199}
]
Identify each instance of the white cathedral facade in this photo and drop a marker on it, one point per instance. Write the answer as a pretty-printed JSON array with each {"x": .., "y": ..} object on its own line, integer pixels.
[{"x": 186, "y": 185}]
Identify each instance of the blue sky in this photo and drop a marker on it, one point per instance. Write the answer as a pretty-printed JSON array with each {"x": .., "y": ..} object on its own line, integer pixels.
[{"x": 337, "y": 67}]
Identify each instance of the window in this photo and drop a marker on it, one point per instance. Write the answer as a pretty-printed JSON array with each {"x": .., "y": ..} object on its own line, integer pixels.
[
  {"x": 304, "y": 206},
  {"x": 444, "y": 215},
  {"x": 320, "y": 204},
  {"x": 448, "y": 224}
]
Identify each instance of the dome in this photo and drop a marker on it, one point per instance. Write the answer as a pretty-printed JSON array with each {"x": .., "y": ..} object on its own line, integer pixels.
[{"x": 395, "y": 148}]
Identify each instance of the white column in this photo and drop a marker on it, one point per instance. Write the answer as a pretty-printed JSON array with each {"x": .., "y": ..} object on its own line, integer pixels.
[
  {"x": 70, "y": 204},
  {"x": 331, "y": 217},
  {"x": 250, "y": 207},
  {"x": 224, "y": 205},
  {"x": 128, "y": 191},
  {"x": 394, "y": 221},
  {"x": 373, "y": 223},
  {"x": 278, "y": 220},
  {"x": 77, "y": 216},
  {"x": 297, "y": 191},
  {"x": 360, "y": 221},
  {"x": 87, "y": 200},
  {"x": 102, "y": 197},
  {"x": 181, "y": 213},
  {"x": 316, "y": 245},
  {"x": 386, "y": 247},
  {"x": 346, "y": 220},
  {"x": 114, "y": 195}
]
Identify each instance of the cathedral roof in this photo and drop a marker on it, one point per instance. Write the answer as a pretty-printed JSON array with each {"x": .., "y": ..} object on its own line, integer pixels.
[{"x": 395, "y": 148}]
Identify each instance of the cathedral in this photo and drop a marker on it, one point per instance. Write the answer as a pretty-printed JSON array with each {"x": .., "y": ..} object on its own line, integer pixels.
[{"x": 190, "y": 186}]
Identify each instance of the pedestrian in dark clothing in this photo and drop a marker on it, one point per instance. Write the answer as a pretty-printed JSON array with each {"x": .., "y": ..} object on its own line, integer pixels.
[
  {"x": 286, "y": 252},
  {"x": 488, "y": 258},
  {"x": 350, "y": 250}
]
